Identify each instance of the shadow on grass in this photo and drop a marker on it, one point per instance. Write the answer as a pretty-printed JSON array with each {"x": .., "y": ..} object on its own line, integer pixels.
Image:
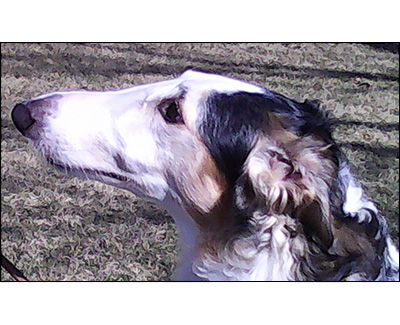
[
  {"x": 380, "y": 126},
  {"x": 385, "y": 152},
  {"x": 391, "y": 47}
]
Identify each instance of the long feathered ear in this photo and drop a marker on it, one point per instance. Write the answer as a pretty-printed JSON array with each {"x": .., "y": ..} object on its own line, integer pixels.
[
  {"x": 295, "y": 181},
  {"x": 276, "y": 153}
]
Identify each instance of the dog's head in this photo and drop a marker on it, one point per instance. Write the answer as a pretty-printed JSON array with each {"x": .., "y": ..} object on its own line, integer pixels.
[{"x": 214, "y": 143}]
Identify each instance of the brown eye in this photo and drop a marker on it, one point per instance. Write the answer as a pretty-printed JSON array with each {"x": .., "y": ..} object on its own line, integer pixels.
[{"x": 171, "y": 112}]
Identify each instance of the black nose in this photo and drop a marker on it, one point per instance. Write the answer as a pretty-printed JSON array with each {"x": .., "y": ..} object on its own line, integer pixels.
[{"x": 22, "y": 119}]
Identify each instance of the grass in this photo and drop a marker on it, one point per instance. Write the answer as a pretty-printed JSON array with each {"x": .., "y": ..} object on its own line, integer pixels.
[{"x": 56, "y": 228}]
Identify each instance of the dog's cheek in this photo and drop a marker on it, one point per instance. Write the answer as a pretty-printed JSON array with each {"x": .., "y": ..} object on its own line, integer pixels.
[{"x": 203, "y": 185}]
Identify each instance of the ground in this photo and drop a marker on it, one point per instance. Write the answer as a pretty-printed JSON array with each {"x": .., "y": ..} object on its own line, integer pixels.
[{"x": 57, "y": 228}]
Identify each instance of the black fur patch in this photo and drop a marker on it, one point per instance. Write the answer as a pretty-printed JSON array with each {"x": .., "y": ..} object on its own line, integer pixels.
[{"x": 229, "y": 128}]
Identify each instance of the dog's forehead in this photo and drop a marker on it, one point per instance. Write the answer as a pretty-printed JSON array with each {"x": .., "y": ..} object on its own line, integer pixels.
[{"x": 193, "y": 83}]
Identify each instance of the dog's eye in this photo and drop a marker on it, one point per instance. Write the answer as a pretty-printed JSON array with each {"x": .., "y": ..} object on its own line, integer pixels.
[{"x": 171, "y": 112}]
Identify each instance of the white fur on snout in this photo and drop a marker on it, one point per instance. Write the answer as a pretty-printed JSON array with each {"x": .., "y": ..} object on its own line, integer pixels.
[
  {"x": 138, "y": 141},
  {"x": 81, "y": 132}
]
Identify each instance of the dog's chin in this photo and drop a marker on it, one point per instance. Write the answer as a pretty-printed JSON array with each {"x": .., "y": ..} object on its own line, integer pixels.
[{"x": 87, "y": 173}]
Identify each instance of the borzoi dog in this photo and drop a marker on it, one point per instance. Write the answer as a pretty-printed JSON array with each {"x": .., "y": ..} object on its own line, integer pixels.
[{"x": 254, "y": 181}]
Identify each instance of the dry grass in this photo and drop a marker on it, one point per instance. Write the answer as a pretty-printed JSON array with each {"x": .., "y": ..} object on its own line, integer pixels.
[{"x": 57, "y": 228}]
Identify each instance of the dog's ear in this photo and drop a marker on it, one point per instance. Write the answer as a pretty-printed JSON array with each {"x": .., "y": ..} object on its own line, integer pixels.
[
  {"x": 276, "y": 153},
  {"x": 272, "y": 177},
  {"x": 295, "y": 182}
]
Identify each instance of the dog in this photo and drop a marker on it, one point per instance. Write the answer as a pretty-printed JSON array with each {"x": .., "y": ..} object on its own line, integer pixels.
[{"x": 258, "y": 188}]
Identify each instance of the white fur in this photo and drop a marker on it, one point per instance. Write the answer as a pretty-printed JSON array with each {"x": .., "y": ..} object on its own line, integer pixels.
[{"x": 356, "y": 202}]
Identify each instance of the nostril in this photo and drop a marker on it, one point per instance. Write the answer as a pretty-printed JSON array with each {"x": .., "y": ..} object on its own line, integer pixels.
[{"x": 22, "y": 118}]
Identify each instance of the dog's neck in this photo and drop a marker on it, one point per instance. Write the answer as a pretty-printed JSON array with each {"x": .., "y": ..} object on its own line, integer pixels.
[
  {"x": 189, "y": 239},
  {"x": 194, "y": 265}
]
